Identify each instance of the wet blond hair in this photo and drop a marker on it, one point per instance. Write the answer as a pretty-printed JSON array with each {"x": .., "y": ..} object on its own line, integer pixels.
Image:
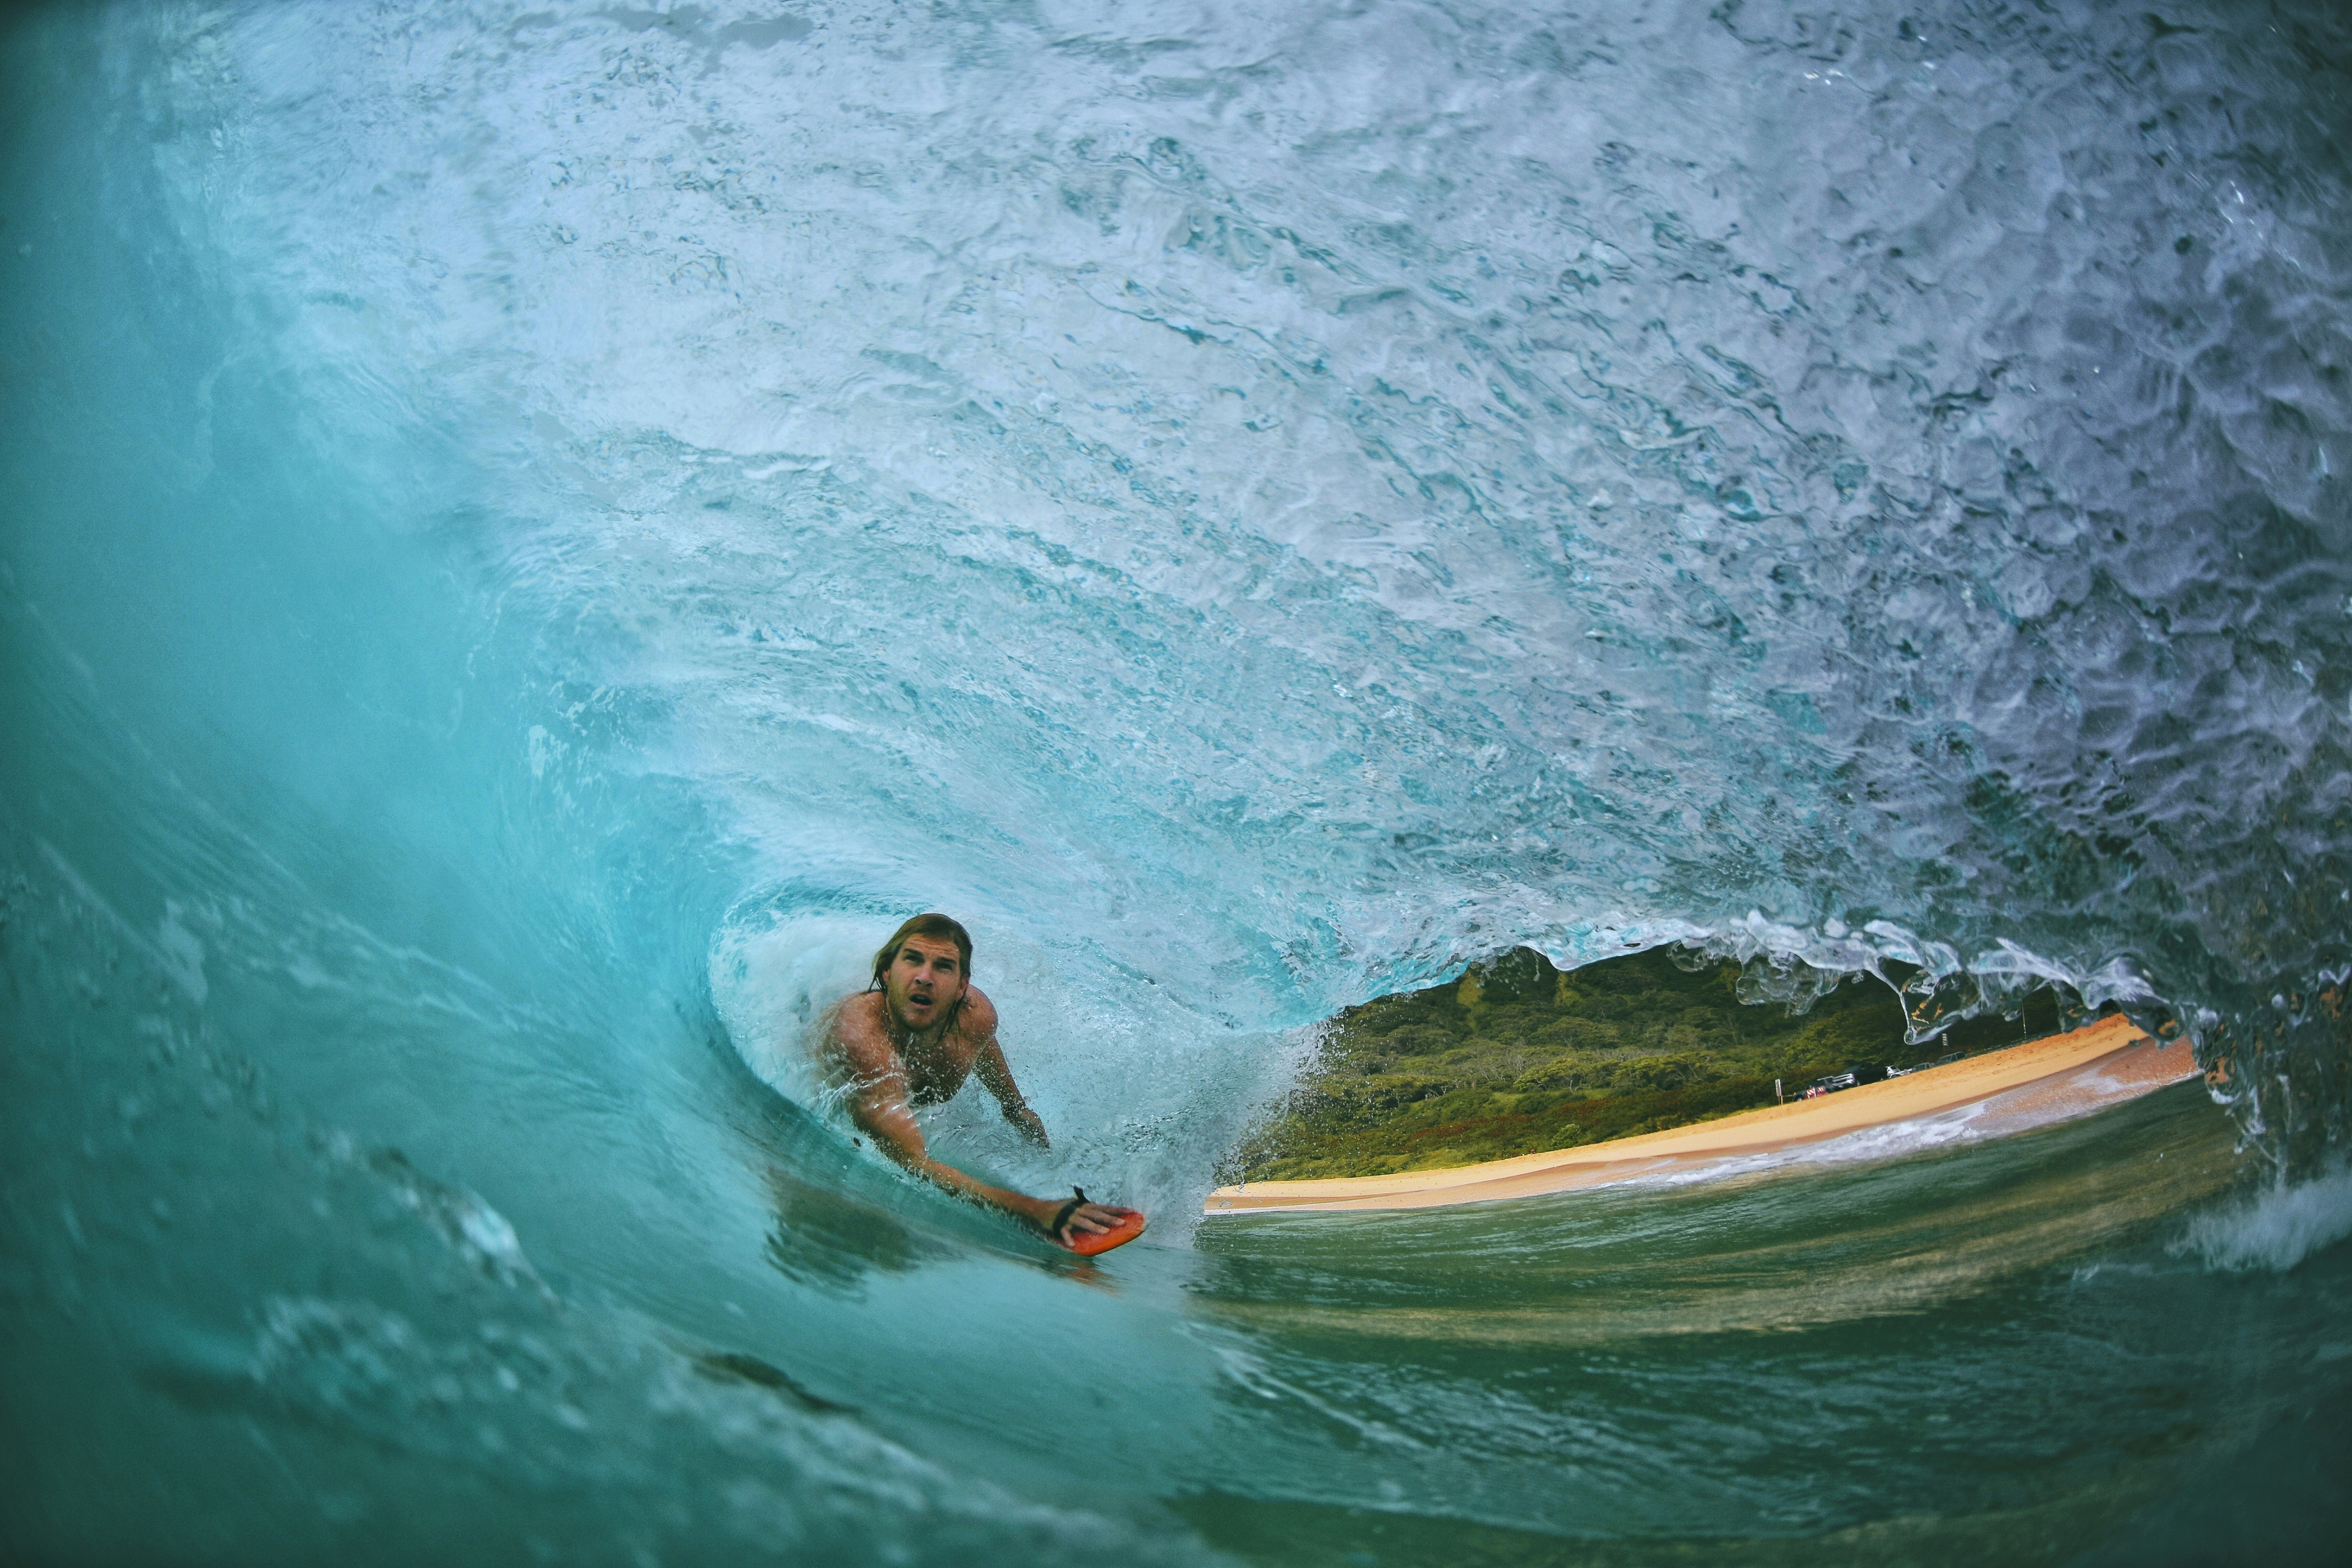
[{"x": 931, "y": 924}]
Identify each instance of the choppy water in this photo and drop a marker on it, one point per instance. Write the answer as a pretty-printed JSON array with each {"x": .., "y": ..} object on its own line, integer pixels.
[{"x": 532, "y": 535}]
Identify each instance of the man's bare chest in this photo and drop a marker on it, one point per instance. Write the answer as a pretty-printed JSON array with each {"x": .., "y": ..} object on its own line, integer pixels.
[{"x": 936, "y": 1072}]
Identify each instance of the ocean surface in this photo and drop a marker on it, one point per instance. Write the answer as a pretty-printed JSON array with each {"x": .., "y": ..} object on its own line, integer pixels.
[{"x": 531, "y": 537}]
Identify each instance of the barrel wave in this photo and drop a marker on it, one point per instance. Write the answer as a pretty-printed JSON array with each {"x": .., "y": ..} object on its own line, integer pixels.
[{"x": 534, "y": 537}]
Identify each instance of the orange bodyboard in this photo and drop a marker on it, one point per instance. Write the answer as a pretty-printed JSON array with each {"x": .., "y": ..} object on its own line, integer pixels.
[{"x": 1129, "y": 1226}]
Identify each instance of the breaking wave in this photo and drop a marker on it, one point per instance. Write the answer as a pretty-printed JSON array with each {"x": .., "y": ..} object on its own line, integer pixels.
[{"x": 533, "y": 535}]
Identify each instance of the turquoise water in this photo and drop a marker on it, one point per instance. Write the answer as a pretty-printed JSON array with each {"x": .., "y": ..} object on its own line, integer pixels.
[{"x": 531, "y": 536}]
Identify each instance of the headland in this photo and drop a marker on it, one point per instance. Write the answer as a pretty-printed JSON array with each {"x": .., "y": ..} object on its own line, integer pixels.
[
  {"x": 1520, "y": 1078},
  {"x": 2045, "y": 1080}
]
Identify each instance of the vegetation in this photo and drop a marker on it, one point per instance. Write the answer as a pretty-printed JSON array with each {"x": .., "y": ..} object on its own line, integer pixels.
[{"x": 1519, "y": 1058}]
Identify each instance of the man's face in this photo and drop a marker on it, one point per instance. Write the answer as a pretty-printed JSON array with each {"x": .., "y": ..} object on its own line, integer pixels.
[{"x": 924, "y": 981}]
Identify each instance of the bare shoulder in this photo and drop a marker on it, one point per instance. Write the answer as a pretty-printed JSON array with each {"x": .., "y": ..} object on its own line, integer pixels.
[
  {"x": 978, "y": 1017},
  {"x": 859, "y": 1013},
  {"x": 856, "y": 1032}
]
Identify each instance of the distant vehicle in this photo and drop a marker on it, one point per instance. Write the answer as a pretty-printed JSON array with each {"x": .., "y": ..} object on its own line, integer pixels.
[
  {"x": 1947, "y": 1061},
  {"x": 1907, "y": 1072},
  {"x": 1831, "y": 1083}
]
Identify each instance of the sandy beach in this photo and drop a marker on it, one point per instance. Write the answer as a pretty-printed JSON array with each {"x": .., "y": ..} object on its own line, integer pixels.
[{"x": 2042, "y": 1082}]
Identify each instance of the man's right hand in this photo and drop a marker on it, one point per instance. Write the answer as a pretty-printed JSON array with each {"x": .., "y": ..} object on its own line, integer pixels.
[{"x": 1086, "y": 1219}]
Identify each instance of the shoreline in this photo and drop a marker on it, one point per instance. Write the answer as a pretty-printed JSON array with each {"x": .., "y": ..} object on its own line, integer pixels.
[{"x": 2054, "y": 1078}]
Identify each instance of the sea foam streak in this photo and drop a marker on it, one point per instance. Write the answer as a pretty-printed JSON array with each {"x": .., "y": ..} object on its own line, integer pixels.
[{"x": 2276, "y": 1229}]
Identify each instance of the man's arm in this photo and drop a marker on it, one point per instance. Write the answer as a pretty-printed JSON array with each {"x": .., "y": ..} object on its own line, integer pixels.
[
  {"x": 997, "y": 1075},
  {"x": 878, "y": 1102}
]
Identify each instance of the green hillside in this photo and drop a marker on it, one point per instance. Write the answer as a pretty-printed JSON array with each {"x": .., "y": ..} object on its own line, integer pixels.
[{"x": 1517, "y": 1057}]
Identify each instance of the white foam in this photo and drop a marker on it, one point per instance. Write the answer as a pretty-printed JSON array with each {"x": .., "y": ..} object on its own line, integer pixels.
[
  {"x": 2278, "y": 1228},
  {"x": 771, "y": 982},
  {"x": 1889, "y": 1140}
]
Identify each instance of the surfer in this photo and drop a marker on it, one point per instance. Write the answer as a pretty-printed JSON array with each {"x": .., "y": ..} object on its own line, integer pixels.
[{"x": 912, "y": 1037}]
